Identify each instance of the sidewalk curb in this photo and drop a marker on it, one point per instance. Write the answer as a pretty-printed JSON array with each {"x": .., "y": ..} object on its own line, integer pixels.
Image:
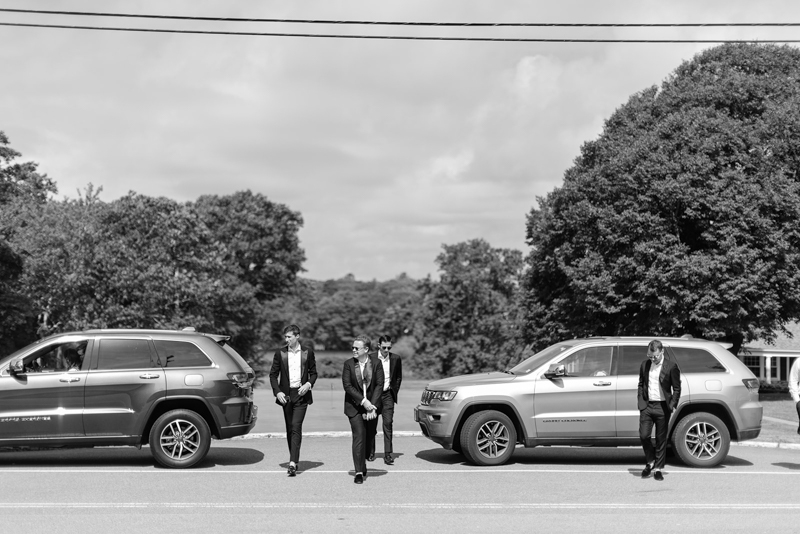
[
  {"x": 767, "y": 445},
  {"x": 412, "y": 434},
  {"x": 332, "y": 434}
]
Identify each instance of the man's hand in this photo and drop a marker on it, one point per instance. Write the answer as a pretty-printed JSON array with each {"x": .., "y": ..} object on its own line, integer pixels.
[
  {"x": 368, "y": 405},
  {"x": 281, "y": 397},
  {"x": 369, "y": 416},
  {"x": 304, "y": 389}
]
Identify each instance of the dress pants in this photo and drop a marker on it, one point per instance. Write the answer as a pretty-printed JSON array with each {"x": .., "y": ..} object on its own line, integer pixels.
[
  {"x": 294, "y": 411},
  {"x": 654, "y": 413},
  {"x": 360, "y": 441},
  {"x": 386, "y": 412}
]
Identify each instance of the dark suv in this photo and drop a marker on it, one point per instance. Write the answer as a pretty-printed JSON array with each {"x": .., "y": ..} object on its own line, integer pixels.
[
  {"x": 171, "y": 389},
  {"x": 583, "y": 392}
]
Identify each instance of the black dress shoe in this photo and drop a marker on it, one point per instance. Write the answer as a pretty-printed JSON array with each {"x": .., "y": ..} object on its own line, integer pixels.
[
  {"x": 646, "y": 471},
  {"x": 388, "y": 460},
  {"x": 359, "y": 478},
  {"x": 292, "y": 470},
  {"x": 371, "y": 457},
  {"x": 658, "y": 476}
]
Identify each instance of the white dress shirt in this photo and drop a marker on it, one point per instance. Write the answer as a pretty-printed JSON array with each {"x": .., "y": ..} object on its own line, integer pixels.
[
  {"x": 385, "y": 362},
  {"x": 295, "y": 371},
  {"x": 653, "y": 386}
]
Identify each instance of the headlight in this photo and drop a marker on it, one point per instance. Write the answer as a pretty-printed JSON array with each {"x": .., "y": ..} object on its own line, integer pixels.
[{"x": 444, "y": 395}]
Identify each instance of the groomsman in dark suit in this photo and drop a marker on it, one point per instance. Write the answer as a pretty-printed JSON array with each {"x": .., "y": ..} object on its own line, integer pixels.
[
  {"x": 658, "y": 394},
  {"x": 293, "y": 373},
  {"x": 362, "y": 379},
  {"x": 392, "y": 378}
]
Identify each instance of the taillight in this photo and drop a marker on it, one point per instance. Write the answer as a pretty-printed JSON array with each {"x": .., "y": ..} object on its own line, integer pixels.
[
  {"x": 751, "y": 383},
  {"x": 242, "y": 380}
]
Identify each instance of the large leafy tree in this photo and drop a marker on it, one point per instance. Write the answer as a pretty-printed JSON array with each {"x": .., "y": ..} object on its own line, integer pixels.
[
  {"x": 683, "y": 217},
  {"x": 469, "y": 318},
  {"x": 22, "y": 189}
]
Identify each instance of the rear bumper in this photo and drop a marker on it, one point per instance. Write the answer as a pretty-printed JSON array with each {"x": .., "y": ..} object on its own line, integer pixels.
[
  {"x": 240, "y": 429},
  {"x": 751, "y": 433}
]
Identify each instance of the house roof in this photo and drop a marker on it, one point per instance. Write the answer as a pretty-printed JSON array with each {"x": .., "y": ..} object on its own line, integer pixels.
[{"x": 782, "y": 341}]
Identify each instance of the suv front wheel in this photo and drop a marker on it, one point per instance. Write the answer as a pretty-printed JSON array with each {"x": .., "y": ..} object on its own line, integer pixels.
[
  {"x": 488, "y": 438},
  {"x": 701, "y": 440},
  {"x": 179, "y": 439}
]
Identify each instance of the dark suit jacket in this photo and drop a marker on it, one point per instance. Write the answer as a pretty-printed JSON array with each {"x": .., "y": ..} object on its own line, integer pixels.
[
  {"x": 669, "y": 380},
  {"x": 279, "y": 372},
  {"x": 353, "y": 391},
  {"x": 395, "y": 374}
]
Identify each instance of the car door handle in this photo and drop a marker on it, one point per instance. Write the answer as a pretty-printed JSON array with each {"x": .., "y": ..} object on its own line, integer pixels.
[
  {"x": 71, "y": 379},
  {"x": 148, "y": 376},
  {"x": 602, "y": 383}
]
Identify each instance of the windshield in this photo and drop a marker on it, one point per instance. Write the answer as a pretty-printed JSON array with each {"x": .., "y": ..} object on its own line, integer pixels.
[{"x": 539, "y": 359}]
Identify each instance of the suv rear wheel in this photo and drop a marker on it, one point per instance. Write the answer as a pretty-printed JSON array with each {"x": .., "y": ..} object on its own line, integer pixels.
[
  {"x": 180, "y": 438},
  {"x": 488, "y": 438},
  {"x": 701, "y": 440}
]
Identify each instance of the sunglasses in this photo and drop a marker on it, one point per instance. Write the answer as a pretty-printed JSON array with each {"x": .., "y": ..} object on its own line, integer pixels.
[{"x": 356, "y": 349}]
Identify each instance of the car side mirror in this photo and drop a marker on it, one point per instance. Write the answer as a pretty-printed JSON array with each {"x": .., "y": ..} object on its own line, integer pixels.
[
  {"x": 555, "y": 371},
  {"x": 16, "y": 367}
]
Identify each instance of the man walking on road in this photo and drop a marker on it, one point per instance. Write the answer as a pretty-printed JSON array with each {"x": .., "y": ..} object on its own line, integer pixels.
[
  {"x": 794, "y": 386},
  {"x": 293, "y": 373},
  {"x": 362, "y": 380},
  {"x": 393, "y": 377},
  {"x": 658, "y": 394}
]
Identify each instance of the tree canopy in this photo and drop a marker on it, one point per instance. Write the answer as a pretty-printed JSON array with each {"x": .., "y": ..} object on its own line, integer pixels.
[
  {"x": 468, "y": 321},
  {"x": 683, "y": 217}
]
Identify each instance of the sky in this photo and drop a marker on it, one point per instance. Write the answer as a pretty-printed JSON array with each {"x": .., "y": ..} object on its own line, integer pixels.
[{"x": 388, "y": 148}]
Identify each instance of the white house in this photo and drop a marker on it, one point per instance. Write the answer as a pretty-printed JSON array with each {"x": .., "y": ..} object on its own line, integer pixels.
[{"x": 771, "y": 363}]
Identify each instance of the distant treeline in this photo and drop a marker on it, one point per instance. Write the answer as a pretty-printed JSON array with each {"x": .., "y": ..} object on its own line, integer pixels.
[{"x": 225, "y": 264}]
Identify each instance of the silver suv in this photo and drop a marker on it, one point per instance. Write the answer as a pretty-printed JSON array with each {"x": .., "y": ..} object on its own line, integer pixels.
[
  {"x": 583, "y": 392},
  {"x": 171, "y": 389}
]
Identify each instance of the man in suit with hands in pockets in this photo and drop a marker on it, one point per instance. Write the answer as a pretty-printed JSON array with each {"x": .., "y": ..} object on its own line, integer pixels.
[
  {"x": 658, "y": 394},
  {"x": 293, "y": 373}
]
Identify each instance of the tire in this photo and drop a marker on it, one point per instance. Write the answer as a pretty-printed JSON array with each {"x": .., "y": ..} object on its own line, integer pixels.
[
  {"x": 701, "y": 440},
  {"x": 488, "y": 438},
  {"x": 180, "y": 439}
]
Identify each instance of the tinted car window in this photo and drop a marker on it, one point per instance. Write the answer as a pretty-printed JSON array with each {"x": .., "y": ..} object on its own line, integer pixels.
[
  {"x": 124, "y": 354},
  {"x": 630, "y": 359},
  {"x": 180, "y": 354},
  {"x": 591, "y": 361},
  {"x": 696, "y": 361}
]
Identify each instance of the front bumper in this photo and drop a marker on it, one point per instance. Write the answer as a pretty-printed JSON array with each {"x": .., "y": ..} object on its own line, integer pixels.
[{"x": 431, "y": 426}]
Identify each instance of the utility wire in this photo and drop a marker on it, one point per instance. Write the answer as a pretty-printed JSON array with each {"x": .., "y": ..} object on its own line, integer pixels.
[
  {"x": 402, "y": 37},
  {"x": 401, "y": 23}
]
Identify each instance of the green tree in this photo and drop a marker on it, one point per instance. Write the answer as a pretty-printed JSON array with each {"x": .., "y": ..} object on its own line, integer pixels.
[
  {"x": 468, "y": 320},
  {"x": 260, "y": 238},
  {"x": 683, "y": 216},
  {"x": 22, "y": 189}
]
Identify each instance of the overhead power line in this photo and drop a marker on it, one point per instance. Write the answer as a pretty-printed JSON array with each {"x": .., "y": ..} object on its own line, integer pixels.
[
  {"x": 411, "y": 23},
  {"x": 402, "y": 37}
]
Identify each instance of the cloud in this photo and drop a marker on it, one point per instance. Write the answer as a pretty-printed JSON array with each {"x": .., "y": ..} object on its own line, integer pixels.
[{"x": 389, "y": 149}]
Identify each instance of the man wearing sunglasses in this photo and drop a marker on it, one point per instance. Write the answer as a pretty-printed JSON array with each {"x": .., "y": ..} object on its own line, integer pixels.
[
  {"x": 658, "y": 394},
  {"x": 393, "y": 377},
  {"x": 362, "y": 380}
]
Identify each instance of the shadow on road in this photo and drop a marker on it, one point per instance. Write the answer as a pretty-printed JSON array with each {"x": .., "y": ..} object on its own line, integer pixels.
[
  {"x": 787, "y": 465},
  {"x": 118, "y": 457},
  {"x": 440, "y": 456},
  {"x": 229, "y": 456},
  {"x": 370, "y": 472},
  {"x": 303, "y": 465}
]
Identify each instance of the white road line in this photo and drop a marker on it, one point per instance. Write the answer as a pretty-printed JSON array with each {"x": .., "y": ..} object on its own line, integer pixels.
[
  {"x": 183, "y": 472},
  {"x": 372, "y": 506}
]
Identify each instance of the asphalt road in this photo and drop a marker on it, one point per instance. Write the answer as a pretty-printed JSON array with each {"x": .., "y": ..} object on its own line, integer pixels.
[{"x": 242, "y": 487}]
